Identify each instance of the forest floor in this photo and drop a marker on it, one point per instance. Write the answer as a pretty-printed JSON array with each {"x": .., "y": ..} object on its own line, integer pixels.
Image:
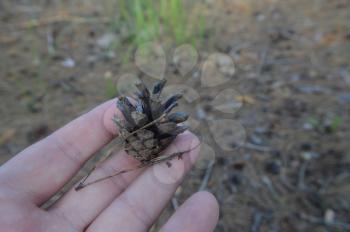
[{"x": 292, "y": 171}]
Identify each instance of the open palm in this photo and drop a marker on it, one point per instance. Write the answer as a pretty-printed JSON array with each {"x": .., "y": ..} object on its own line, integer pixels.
[{"x": 128, "y": 202}]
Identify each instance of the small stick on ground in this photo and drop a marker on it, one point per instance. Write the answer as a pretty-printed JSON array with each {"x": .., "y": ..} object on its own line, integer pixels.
[
  {"x": 256, "y": 147},
  {"x": 58, "y": 19},
  {"x": 175, "y": 203},
  {"x": 321, "y": 221},
  {"x": 257, "y": 220},
  {"x": 301, "y": 176},
  {"x": 207, "y": 175}
]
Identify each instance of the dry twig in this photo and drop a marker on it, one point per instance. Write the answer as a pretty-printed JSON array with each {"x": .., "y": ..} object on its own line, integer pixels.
[
  {"x": 157, "y": 160},
  {"x": 207, "y": 175},
  {"x": 321, "y": 221},
  {"x": 175, "y": 203},
  {"x": 256, "y": 147}
]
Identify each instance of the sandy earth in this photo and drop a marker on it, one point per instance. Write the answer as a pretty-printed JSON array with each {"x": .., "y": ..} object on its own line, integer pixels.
[{"x": 291, "y": 173}]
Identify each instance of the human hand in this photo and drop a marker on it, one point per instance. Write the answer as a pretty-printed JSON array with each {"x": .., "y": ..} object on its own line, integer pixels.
[{"x": 128, "y": 202}]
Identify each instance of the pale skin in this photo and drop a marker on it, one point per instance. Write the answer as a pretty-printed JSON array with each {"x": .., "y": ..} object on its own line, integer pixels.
[{"x": 129, "y": 202}]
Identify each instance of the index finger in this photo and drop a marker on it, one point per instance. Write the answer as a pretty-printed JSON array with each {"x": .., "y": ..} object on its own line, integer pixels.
[{"x": 43, "y": 168}]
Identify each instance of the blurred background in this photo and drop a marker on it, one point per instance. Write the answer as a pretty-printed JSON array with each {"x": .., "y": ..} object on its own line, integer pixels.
[{"x": 288, "y": 77}]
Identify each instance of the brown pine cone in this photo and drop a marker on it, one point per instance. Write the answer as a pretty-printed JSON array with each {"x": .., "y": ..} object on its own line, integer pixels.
[{"x": 149, "y": 126}]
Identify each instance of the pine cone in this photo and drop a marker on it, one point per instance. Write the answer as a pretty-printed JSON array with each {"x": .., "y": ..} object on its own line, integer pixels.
[{"x": 149, "y": 126}]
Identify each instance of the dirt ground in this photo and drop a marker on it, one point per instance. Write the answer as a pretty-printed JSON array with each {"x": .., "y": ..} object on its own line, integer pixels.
[{"x": 292, "y": 173}]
